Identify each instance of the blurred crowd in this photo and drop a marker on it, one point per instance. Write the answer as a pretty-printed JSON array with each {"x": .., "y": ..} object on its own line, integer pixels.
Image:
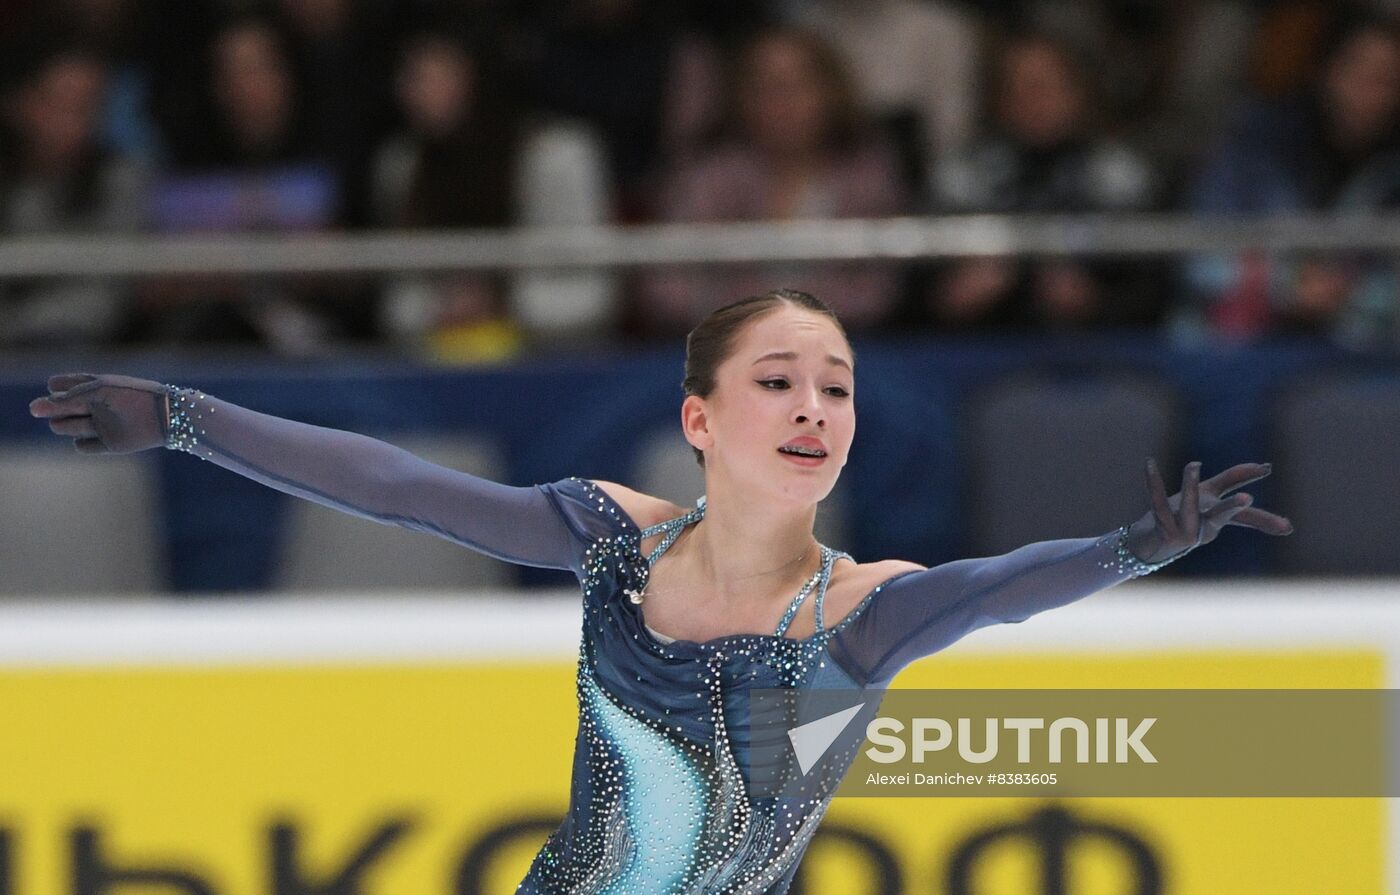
[{"x": 290, "y": 116}]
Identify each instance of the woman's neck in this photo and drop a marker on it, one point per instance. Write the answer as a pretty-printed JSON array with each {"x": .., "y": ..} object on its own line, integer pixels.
[{"x": 743, "y": 550}]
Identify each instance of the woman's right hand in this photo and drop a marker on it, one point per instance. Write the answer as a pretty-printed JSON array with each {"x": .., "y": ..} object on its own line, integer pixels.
[{"x": 106, "y": 413}]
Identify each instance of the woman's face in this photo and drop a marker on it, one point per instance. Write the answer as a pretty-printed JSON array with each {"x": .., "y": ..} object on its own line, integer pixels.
[
  {"x": 253, "y": 82},
  {"x": 761, "y": 402},
  {"x": 435, "y": 86},
  {"x": 1363, "y": 86},
  {"x": 784, "y": 103},
  {"x": 1040, "y": 102},
  {"x": 58, "y": 113}
]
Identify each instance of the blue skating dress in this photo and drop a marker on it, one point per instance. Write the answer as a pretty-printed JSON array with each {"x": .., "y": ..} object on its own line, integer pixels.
[{"x": 660, "y": 800}]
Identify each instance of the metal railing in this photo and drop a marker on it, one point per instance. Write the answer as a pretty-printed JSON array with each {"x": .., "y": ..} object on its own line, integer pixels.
[{"x": 579, "y": 248}]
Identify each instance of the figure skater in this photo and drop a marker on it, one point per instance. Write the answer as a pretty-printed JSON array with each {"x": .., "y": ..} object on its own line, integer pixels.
[{"x": 685, "y": 611}]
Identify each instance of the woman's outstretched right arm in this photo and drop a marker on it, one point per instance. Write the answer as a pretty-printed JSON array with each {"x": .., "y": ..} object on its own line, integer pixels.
[{"x": 348, "y": 472}]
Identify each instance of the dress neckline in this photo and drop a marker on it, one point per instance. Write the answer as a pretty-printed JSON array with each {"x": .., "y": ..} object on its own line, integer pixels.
[
  {"x": 818, "y": 581},
  {"x": 700, "y": 646},
  {"x": 681, "y": 644},
  {"x": 633, "y": 531}
]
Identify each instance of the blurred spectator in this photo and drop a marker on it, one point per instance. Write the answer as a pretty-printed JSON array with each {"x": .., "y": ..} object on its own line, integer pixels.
[
  {"x": 174, "y": 40},
  {"x": 917, "y": 67},
  {"x": 1043, "y": 154},
  {"x": 1209, "y": 51},
  {"x": 468, "y": 157},
  {"x": 256, "y": 170},
  {"x": 1335, "y": 148},
  {"x": 260, "y": 113},
  {"x": 628, "y": 69},
  {"x": 795, "y": 147},
  {"x": 1288, "y": 41},
  {"x": 119, "y": 31},
  {"x": 55, "y": 177},
  {"x": 1165, "y": 71},
  {"x": 342, "y": 57}
]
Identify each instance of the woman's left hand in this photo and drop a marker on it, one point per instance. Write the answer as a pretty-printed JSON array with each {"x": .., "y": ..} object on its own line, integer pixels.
[{"x": 1195, "y": 515}]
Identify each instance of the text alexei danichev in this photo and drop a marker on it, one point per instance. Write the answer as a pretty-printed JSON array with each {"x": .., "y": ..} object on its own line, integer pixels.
[
  {"x": 956, "y": 778},
  {"x": 959, "y": 779}
]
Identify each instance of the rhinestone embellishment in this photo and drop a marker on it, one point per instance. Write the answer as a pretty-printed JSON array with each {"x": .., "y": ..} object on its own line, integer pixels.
[
  {"x": 182, "y": 433},
  {"x": 1125, "y": 562}
]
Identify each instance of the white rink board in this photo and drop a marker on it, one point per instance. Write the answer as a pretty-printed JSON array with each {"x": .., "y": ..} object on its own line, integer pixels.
[{"x": 240, "y": 629}]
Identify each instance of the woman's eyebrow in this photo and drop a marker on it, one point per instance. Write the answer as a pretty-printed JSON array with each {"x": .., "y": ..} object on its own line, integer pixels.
[{"x": 792, "y": 355}]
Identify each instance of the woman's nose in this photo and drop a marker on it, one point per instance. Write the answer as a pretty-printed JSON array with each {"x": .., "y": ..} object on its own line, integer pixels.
[
  {"x": 809, "y": 414},
  {"x": 810, "y": 408}
]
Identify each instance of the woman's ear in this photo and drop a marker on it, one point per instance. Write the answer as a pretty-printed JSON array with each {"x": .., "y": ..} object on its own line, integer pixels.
[{"x": 695, "y": 424}]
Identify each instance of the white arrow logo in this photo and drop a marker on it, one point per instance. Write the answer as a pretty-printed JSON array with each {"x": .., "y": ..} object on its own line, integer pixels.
[{"x": 811, "y": 740}]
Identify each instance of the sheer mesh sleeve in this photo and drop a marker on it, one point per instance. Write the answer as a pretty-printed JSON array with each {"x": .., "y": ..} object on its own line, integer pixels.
[
  {"x": 921, "y": 612},
  {"x": 548, "y": 526}
]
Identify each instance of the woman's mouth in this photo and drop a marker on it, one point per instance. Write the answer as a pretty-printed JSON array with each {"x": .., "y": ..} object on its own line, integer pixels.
[{"x": 802, "y": 459}]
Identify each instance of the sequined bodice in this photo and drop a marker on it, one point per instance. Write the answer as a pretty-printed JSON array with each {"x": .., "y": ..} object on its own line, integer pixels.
[{"x": 660, "y": 801}]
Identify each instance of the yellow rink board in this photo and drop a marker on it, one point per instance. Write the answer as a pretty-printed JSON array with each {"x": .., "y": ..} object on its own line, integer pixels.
[{"x": 190, "y": 768}]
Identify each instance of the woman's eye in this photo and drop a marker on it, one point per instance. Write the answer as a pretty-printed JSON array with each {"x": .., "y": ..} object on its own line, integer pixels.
[{"x": 837, "y": 390}]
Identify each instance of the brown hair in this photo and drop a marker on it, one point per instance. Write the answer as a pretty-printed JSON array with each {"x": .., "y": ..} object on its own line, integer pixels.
[{"x": 711, "y": 342}]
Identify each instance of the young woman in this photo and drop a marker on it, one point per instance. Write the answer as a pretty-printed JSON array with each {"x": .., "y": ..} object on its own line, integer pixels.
[{"x": 685, "y": 612}]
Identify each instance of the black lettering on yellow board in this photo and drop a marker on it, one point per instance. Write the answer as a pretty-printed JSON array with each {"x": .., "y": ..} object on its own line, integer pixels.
[
  {"x": 7, "y": 878},
  {"x": 1050, "y": 831},
  {"x": 474, "y": 870},
  {"x": 884, "y": 876},
  {"x": 93, "y": 875},
  {"x": 288, "y": 878}
]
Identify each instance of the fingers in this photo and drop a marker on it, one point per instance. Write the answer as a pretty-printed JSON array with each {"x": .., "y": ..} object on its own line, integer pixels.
[
  {"x": 1262, "y": 520},
  {"x": 64, "y": 381},
  {"x": 1236, "y": 477},
  {"x": 1191, "y": 500},
  {"x": 1239, "y": 509},
  {"x": 63, "y": 389},
  {"x": 1161, "y": 509},
  {"x": 1221, "y": 514},
  {"x": 45, "y": 408},
  {"x": 73, "y": 426}
]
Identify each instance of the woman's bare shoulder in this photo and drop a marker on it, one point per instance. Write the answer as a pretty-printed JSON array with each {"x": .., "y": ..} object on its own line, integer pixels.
[
  {"x": 896, "y": 566},
  {"x": 644, "y": 509},
  {"x": 851, "y": 582},
  {"x": 855, "y": 579}
]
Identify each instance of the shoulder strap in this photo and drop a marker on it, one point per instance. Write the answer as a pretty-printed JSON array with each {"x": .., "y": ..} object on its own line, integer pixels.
[
  {"x": 673, "y": 528},
  {"x": 820, "y": 578},
  {"x": 832, "y": 556}
]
